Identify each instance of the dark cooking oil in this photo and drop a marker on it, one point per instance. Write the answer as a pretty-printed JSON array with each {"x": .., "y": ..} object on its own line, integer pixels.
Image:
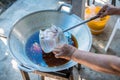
[{"x": 37, "y": 56}]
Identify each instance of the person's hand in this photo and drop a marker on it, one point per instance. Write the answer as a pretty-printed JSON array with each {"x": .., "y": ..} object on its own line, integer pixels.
[
  {"x": 64, "y": 51},
  {"x": 107, "y": 10}
]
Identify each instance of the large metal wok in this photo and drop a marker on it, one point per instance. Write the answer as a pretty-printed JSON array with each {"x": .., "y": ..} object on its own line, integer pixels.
[{"x": 31, "y": 23}]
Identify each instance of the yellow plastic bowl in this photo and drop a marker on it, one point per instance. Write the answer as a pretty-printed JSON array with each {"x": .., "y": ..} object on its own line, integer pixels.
[{"x": 96, "y": 26}]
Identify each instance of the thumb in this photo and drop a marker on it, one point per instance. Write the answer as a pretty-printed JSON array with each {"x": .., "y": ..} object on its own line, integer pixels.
[
  {"x": 104, "y": 14},
  {"x": 58, "y": 55}
]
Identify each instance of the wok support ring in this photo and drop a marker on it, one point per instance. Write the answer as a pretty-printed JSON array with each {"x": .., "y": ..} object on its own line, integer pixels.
[{"x": 66, "y": 74}]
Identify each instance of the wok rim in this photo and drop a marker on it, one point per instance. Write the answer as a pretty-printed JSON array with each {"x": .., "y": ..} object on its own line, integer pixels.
[{"x": 66, "y": 67}]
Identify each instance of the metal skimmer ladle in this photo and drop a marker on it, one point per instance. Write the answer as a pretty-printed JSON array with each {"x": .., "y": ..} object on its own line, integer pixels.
[{"x": 48, "y": 45}]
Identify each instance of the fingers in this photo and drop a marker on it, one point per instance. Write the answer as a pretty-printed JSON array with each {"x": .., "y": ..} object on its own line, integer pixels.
[
  {"x": 59, "y": 46},
  {"x": 64, "y": 51},
  {"x": 104, "y": 11},
  {"x": 57, "y": 49},
  {"x": 104, "y": 14},
  {"x": 58, "y": 55}
]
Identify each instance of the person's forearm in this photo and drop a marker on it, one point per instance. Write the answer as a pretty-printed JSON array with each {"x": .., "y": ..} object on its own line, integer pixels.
[
  {"x": 117, "y": 11},
  {"x": 98, "y": 62}
]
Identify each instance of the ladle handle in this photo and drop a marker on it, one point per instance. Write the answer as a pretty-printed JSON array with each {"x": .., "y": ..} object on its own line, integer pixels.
[{"x": 85, "y": 21}]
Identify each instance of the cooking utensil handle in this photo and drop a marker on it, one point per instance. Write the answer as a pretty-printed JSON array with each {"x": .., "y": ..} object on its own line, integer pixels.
[
  {"x": 1, "y": 35},
  {"x": 65, "y": 8},
  {"x": 85, "y": 21},
  {"x": 25, "y": 68}
]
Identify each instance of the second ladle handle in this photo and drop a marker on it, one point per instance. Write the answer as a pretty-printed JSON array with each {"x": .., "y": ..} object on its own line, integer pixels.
[{"x": 85, "y": 21}]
